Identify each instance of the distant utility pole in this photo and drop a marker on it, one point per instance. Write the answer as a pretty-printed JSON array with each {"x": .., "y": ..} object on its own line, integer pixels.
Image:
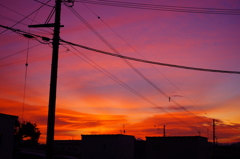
[
  {"x": 53, "y": 79},
  {"x": 214, "y": 136},
  {"x": 199, "y": 133},
  {"x": 214, "y": 139},
  {"x": 164, "y": 132}
]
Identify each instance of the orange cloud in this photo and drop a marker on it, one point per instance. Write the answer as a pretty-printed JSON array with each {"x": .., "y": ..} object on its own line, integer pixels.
[{"x": 71, "y": 124}]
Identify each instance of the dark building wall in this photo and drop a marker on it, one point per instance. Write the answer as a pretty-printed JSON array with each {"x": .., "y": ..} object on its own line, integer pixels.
[
  {"x": 6, "y": 135},
  {"x": 140, "y": 149},
  {"x": 68, "y": 147},
  {"x": 107, "y": 146},
  {"x": 192, "y": 147}
]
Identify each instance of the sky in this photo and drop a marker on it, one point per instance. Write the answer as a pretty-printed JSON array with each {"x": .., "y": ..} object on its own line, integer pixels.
[{"x": 100, "y": 94}]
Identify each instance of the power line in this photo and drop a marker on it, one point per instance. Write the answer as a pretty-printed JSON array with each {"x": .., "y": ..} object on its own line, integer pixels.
[
  {"x": 21, "y": 61},
  {"x": 13, "y": 20},
  {"x": 30, "y": 35},
  {"x": 19, "y": 52},
  {"x": 111, "y": 76},
  {"x": 162, "y": 92},
  {"x": 121, "y": 56},
  {"x": 151, "y": 62},
  {"x": 26, "y": 72},
  {"x": 124, "y": 57},
  {"x": 127, "y": 62},
  {"x": 44, "y": 3},
  {"x": 16, "y": 21},
  {"x": 163, "y": 7},
  {"x": 32, "y": 59},
  {"x": 98, "y": 17},
  {"x": 10, "y": 19},
  {"x": 25, "y": 17}
]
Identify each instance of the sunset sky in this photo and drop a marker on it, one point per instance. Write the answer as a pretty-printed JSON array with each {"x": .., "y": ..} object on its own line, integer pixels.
[{"x": 100, "y": 94}]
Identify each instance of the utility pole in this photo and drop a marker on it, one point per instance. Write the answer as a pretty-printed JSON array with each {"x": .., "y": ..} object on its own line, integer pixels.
[
  {"x": 53, "y": 79},
  {"x": 164, "y": 133},
  {"x": 199, "y": 133},
  {"x": 214, "y": 136},
  {"x": 53, "y": 83}
]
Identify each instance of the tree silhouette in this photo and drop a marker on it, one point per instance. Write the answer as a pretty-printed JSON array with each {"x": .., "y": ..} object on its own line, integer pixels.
[{"x": 26, "y": 131}]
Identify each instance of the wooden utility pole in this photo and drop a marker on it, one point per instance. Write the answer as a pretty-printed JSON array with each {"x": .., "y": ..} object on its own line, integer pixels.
[
  {"x": 164, "y": 132},
  {"x": 53, "y": 83},
  {"x": 214, "y": 139},
  {"x": 53, "y": 78},
  {"x": 214, "y": 136}
]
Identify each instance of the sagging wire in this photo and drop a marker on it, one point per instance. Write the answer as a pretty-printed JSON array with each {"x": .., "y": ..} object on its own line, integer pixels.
[
  {"x": 50, "y": 15},
  {"x": 26, "y": 70}
]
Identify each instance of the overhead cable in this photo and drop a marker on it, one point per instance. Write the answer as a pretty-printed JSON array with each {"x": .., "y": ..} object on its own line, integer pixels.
[
  {"x": 150, "y": 62},
  {"x": 19, "y": 52},
  {"x": 163, "y": 7},
  {"x": 70, "y": 43},
  {"x": 111, "y": 76},
  {"x": 98, "y": 17},
  {"x": 25, "y": 17},
  {"x": 126, "y": 57}
]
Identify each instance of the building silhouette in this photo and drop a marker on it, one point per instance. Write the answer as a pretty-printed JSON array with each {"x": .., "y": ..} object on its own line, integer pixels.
[
  {"x": 140, "y": 149},
  {"x": 7, "y": 135},
  {"x": 68, "y": 147},
  {"x": 112, "y": 146},
  {"x": 120, "y": 146},
  {"x": 177, "y": 147}
]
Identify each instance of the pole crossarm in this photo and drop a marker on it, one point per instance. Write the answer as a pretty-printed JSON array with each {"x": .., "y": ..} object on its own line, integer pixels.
[{"x": 43, "y": 25}]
